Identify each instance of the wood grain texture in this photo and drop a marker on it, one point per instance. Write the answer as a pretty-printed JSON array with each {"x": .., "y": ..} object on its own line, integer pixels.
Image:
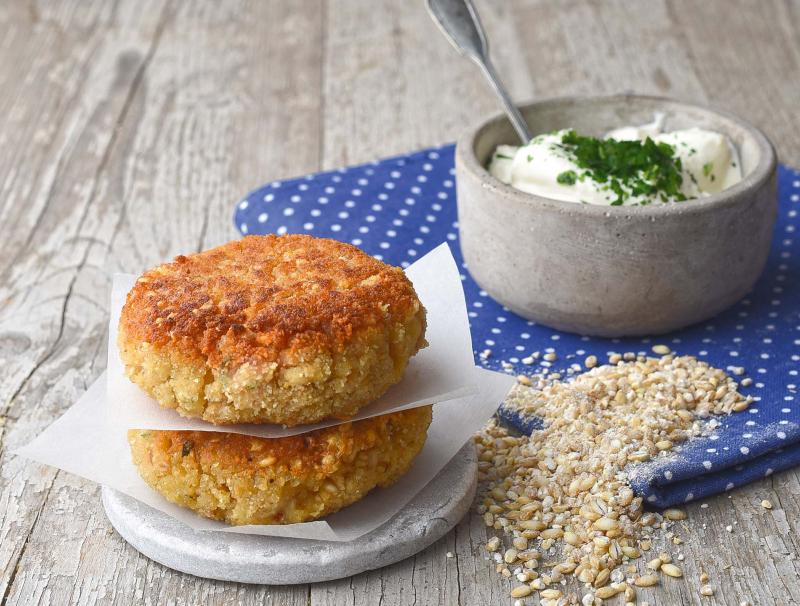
[{"x": 127, "y": 132}]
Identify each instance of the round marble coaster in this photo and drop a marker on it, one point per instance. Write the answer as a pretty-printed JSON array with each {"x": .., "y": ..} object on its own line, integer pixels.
[{"x": 280, "y": 561}]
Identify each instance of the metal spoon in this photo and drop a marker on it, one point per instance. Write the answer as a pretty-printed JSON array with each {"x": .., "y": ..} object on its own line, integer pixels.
[{"x": 460, "y": 24}]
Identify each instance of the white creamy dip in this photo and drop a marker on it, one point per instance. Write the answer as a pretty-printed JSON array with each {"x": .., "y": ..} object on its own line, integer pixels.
[{"x": 709, "y": 164}]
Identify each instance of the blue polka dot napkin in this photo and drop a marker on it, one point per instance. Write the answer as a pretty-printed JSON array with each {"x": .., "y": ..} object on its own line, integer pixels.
[{"x": 400, "y": 208}]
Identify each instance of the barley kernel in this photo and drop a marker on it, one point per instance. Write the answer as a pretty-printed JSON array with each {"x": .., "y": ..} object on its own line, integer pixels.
[
  {"x": 675, "y": 514},
  {"x": 606, "y": 592},
  {"x": 647, "y": 580},
  {"x": 602, "y": 577},
  {"x": 671, "y": 570}
]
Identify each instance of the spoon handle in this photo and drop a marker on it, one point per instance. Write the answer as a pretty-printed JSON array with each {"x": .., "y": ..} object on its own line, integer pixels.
[
  {"x": 459, "y": 22},
  {"x": 517, "y": 121}
]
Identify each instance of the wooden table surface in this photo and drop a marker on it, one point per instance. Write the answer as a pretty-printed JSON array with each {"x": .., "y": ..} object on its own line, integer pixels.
[{"x": 129, "y": 129}]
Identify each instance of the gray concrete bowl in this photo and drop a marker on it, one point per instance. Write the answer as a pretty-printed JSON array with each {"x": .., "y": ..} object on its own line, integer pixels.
[{"x": 606, "y": 270}]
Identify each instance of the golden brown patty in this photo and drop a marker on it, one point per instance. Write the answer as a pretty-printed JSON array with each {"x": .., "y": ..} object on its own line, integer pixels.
[
  {"x": 245, "y": 480},
  {"x": 270, "y": 329}
]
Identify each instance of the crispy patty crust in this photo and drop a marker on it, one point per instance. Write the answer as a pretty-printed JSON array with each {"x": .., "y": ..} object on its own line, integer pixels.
[
  {"x": 246, "y": 480},
  {"x": 270, "y": 329}
]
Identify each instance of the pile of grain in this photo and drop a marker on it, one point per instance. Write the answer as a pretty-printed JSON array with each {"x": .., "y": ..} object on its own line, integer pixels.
[{"x": 560, "y": 497}]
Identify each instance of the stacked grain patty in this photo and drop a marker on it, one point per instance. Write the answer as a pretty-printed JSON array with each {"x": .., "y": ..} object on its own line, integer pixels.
[{"x": 273, "y": 329}]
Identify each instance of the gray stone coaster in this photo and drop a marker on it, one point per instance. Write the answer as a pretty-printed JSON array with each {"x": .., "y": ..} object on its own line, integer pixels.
[{"x": 281, "y": 561}]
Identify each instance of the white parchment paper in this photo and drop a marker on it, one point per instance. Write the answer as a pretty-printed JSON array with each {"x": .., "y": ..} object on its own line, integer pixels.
[
  {"x": 90, "y": 440},
  {"x": 440, "y": 372}
]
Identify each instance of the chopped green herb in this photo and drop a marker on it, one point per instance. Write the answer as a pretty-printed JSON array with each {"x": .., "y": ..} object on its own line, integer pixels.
[
  {"x": 707, "y": 168},
  {"x": 568, "y": 177},
  {"x": 530, "y": 158},
  {"x": 504, "y": 157},
  {"x": 627, "y": 168}
]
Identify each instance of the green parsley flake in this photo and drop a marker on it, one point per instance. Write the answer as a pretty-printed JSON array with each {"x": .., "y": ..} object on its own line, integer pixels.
[
  {"x": 626, "y": 168},
  {"x": 503, "y": 157},
  {"x": 568, "y": 177},
  {"x": 707, "y": 168}
]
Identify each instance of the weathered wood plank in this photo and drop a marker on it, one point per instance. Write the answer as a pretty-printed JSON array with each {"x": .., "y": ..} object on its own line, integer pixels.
[
  {"x": 50, "y": 318},
  {"x": 746, "y": 56},
  {"x": 164, "y": 129},
  {"x": 392, "y": 83},
  {"x": 126, "y": 134}
]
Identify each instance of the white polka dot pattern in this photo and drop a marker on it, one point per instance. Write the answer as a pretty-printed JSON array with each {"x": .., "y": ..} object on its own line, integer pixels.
[{"x": 400, "y": 208}]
